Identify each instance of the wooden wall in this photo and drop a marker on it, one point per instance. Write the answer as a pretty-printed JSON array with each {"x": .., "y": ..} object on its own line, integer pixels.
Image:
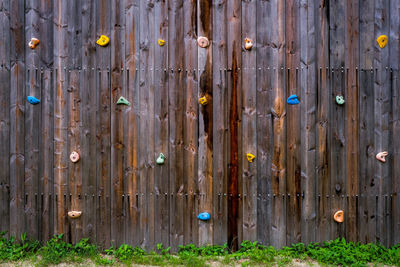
[{"x": 312, "y": 159}]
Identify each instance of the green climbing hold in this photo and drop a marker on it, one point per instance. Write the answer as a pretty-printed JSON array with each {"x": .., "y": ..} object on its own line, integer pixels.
[
  {"x": 160, "y": 160},
  {"x": 340, "y": 99},
  {"x": 122, "y": 101}
]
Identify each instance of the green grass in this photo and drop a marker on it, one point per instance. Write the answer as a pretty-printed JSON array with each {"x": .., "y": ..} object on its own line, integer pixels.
[{"x": 336, "y": 252}]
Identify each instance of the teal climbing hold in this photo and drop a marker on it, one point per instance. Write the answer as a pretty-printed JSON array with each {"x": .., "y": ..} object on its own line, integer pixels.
[
  {"x": 33, "y": 100},
  {"x": 160, "y": 160},
  {"x": 122, "y": 101},
  {"x": 293, "y": 100},
  {"x": 340, "y": 100},
  {"x": 204, "y": 216}
]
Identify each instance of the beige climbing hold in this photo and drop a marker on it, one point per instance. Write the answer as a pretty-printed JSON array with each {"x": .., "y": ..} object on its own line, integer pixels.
[
  {"x": 74, "y": 214},
  {"x": 33, "y": 43},
  {"x": 203, "y": 42},
  {"x": 161, "y": 42},
  {"x": 381, "y": 156},
  {"x": 103, "y": 40},
  {"x": 339, "y": 216},
  {"x": 203, "y": 101},
  {"x": 250, "y": 157},
  {"x": 248, "y": 43},
  {"x": 74, "y": 157},
  {"x": 382, "y": 41}
]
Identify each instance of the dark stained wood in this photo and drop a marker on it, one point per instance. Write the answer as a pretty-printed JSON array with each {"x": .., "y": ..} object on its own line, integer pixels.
[{"x": 191, "y": 224}]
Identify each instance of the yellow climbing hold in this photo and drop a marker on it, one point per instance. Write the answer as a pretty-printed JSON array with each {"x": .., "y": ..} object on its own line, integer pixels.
[
  {"x": 382, "y": 41},
  {"x": 103, "y": 40},
  {"x": 203, "y": 100},
  {"x": 250, "y": 157},
  {"x": 161, "y": 42}
]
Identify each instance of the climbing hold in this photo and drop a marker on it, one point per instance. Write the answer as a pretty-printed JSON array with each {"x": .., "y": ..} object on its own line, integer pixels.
[
  {"x": 293, "y": 100},
  {"x": 203, "y": 100},
  {"x": 33, "y": 100},
  {"x": 340, "y": 100},
  {"x": 250, "y": 157},
  {"x": 74, "y": 157},
  {"x": 248, "y": 43},
  {"x": 160, "y": 160},
  {"x": 203, "y": 42},
  {"x": 74, "y": 214},
  {"x": 123, "y": 101},
  {"x": 339, "y": 216},
  {"x": 33, "y": 43},
  {"x": 103, "y": 40},
  {"x": 381, "y": 156},
  {"x": 382, "y": 41},
  {"x": 204, "y": 216},
  {"x": 161, "y": 42}
]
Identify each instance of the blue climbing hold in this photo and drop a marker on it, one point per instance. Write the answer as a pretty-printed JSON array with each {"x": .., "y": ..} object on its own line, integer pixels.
[
  {"x": 293, "y": 100},
  {"x": 33, "y": 100},
  {"x": 204, "y": 216}
]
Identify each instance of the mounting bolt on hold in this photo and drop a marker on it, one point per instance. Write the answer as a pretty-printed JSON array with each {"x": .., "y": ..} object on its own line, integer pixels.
[
  {"x": 33, "y": 43},
  {"x": 250, "y": 157},
  {"x": 103, "y": 40},
  {"x": 339, "y": 216},
  {"x": 122, "y": 101},
  {"x": 382, "y": 41},
  {"x": 33, "y": 100},
  {"x": 203, "y": 42},
  {"x": 340, "y": 100},
  {"x": 74, "y": 214},
  {"x": 74, "y": 157},
  {"x": 293, "y": 100},
  {"x": 161, "y": 159},
  {"x": 161, "y": 42},
  {"x": 381, "y": 156},
  {"x": 203, "y": 100},
  {"x": 204, "y": 216},
  {"x": 248, "y": 43}
]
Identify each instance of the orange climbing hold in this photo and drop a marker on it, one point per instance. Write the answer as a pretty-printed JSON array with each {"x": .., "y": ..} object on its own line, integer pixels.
[
  {"x": 382, "y": 41},
  {"x": 248, "y": 44},
  {"x": 74, "y": 214},
  {"x": 381, "y": 156},
  {"x": 250, "y": 157},
  {"x": 339, "y": 216},
  {"x": 103, "y": 40},
  {"x": 33, "y": 43},
  {"x": 203, "y": 42},
  {"x": 74, "y": 157}
]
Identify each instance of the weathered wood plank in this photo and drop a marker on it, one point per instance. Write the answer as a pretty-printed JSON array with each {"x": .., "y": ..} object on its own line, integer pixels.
[
  {"x": 175, "y": 113},
  {"x": 191, "y": 225},
  {"x": 131, "y": 153},
  {"x": 103, "y": 129},
  {"x": 308, "y": 89},
  {"x": 249, "y": 138},
  {"x": 205, "y": 65}
]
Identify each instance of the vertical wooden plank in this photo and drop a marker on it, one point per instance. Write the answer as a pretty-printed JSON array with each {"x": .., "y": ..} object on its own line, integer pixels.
[
  {"x": 264, "y": 122},
  {"x": 394, "y": 52},
  {"x": 382, "y": 107},
  {"x": 293, "y": 183},
  {"x": 278, "y": 124},
  {"x": 61, "y": 160},
  {"x": 131, "y": 156},
  {"x": 323, "y": 119},
  {"x": 249, "y": 122},
  {"x": 5, "y": 118},
  {"x": 191, "y": 225},
  {"x": 308, "y": 89},
  {"x": 220, "y": 122},
  {"x": 117, "y": 125},
  {"x": 351, "y": 156},
  {"x": 88, "y": 113},
  {"x": 175, "y": 111},
  {"x": 146, "y": 105},
  {"x": 234, "y": 15},
  {"x": 205, "y": 65},
  {"x": 103, "y": 130}
]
